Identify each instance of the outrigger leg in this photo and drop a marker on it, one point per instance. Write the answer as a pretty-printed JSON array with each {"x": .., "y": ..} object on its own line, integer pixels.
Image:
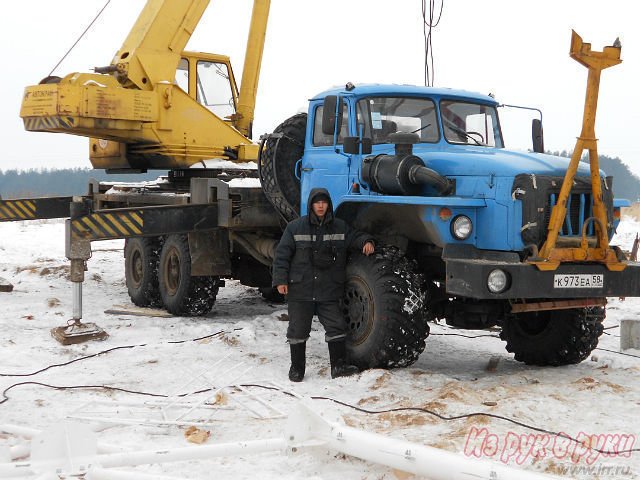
[{"x": 78, "y": 251}]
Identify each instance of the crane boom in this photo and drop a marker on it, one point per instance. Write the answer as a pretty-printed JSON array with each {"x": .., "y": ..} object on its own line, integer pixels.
[
  {"x": 152, "y": 50},
  {"x": 252, "y": 64}
]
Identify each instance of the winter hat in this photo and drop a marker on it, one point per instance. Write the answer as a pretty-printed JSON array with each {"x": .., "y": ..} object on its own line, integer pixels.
[{"x": 321, "y": 196}]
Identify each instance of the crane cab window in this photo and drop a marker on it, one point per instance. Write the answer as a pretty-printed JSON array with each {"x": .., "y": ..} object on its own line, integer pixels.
[
  {"x": 182, "y": 75},
  {"x": 213, "y": 86},
  {"x": 322, "y": 140}
]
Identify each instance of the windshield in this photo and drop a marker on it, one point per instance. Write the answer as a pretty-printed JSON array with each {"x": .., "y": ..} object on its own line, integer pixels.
[
  {"x": 470, "y": 123},
  {"x": 381, "y": 116},
  {"x": 214, "y": 88}
]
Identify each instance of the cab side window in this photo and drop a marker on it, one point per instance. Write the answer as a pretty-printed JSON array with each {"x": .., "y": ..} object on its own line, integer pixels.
[
  {"x": 322, "y": 140},
  {"x": 182, "y": 75}
]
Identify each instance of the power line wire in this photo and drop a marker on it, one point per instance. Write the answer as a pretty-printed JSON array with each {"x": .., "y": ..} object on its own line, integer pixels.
[{"x": 427, "y": 26}]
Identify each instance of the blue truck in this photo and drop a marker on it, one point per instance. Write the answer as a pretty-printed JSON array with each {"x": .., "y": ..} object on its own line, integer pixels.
[{"x": 461, "y": 219}]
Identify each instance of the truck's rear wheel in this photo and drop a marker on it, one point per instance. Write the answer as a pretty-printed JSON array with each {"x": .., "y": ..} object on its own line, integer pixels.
[
  {"x": 555, "y": 337},
  {"x": 181, "y": 293},
  {"x": 385, "y": 309},
  {"x": 141, "y": 257}
]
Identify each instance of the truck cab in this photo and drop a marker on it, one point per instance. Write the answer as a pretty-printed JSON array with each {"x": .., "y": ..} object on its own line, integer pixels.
[{"x": 493, "y": 203}]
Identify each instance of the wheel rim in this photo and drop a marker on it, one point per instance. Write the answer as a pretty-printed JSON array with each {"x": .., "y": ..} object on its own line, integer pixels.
[
  {"x": 171, "y": 272},
  {"x": 137, "y": 270},
  {"x": 358, "y": 309}
]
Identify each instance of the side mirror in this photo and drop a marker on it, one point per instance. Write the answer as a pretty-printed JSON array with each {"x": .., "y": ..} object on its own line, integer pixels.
[
  {"x": 351, "y": 145},
  {"x": 537, "y": 135},
  {"x": 329, "y": 117}
]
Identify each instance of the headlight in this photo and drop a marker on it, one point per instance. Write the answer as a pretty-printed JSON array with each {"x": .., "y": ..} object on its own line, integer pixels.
[
  {"x": 461, "y": 227},
  {"x": 497, "y": 281}
]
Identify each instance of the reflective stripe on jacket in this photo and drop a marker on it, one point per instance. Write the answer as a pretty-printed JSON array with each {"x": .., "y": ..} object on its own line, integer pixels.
[{"x": 311, "y": 257}]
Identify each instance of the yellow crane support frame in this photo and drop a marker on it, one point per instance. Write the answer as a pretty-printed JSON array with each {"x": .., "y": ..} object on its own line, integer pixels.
[{"x": 550, "y": 256}]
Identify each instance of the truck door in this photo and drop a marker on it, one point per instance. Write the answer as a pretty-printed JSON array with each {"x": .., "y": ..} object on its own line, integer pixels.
[{"x": 321, "y": 165}]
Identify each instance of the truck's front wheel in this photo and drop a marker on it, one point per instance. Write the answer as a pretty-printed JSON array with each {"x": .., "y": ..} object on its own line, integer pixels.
[
  {"x": 385, "y": 309},
  {"x": 181, "y": 293},
  {"x": 554, "y": 337}
]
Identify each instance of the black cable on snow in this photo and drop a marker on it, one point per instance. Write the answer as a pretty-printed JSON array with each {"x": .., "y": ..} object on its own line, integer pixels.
[{"x": 123, "y": 347}]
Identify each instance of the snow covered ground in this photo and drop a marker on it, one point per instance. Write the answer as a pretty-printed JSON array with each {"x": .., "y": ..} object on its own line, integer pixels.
[{"x": 460, "y": 372}]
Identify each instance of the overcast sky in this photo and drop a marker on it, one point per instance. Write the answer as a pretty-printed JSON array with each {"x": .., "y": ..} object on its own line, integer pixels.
[{"x": 516, "y": 50}]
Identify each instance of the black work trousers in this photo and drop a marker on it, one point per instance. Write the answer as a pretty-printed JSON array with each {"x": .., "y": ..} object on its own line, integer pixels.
[{"x": 329, "y": 314}]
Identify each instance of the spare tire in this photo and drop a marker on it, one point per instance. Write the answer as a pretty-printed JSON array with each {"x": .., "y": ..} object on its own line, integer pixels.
[{"x": 277, "y": 164}]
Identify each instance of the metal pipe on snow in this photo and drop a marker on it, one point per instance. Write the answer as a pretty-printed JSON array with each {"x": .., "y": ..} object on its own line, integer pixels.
[
  {"x": 129, "y": 459},
  {"x": 191, "y": 453},
  {"x": 102, "y": 474},
  {"x": 433, "y": 463},
  {"x": 307, "y": 427},
  {"x": 29, "y": 433}
]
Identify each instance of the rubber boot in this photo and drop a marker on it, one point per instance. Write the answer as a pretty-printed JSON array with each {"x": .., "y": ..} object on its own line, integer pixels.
[
  {"x": 338, "y": 357},
  {"x": 298, "y": 359}
]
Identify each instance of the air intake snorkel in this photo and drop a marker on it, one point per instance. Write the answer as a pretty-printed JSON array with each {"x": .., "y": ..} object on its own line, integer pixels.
[{"x": 403, "y": 173}]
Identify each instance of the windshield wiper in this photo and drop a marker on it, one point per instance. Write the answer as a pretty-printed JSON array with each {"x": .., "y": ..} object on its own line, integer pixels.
[
  {"x": 468, "y": 134},
  {"x": 421, "y": 128}
]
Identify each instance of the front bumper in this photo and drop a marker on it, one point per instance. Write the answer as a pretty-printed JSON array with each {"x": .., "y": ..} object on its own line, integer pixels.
[{"x": 468, "y": 269}]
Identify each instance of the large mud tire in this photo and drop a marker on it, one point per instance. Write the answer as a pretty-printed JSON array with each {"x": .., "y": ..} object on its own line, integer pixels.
[
  {"x": 553, "y": 338},
  {"x": 277, "y": 165},
  {"x": 141, "y": 256},
  {"x": 385, "y": 307},
  {"x": 181, "y": 293}
]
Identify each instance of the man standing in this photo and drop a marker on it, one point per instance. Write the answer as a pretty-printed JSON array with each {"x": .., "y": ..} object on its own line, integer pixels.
[{"x": 309, "y": 268}]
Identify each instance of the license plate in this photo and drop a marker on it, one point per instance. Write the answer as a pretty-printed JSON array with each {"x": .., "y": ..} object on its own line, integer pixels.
[{"x": 578, "y": 281}]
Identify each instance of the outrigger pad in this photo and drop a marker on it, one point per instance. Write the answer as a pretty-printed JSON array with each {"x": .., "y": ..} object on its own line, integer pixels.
[
  {"x": 5, "y": 286},
  {"x": 78, "y": 332}
]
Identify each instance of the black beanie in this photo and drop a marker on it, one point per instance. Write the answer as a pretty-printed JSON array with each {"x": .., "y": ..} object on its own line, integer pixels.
[{"x": 321, "y": 196}]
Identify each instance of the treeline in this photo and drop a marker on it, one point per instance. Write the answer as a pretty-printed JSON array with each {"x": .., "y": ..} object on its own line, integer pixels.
[
  {"x": 625, "y": 184},
  {"x": 74, "y": 181},
  {"x": 63, "y": 182}
]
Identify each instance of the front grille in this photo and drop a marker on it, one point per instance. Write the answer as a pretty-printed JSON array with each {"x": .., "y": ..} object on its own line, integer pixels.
[
  {"x": 539, "y": 194},
  {"x": 579, "y": 208}
]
